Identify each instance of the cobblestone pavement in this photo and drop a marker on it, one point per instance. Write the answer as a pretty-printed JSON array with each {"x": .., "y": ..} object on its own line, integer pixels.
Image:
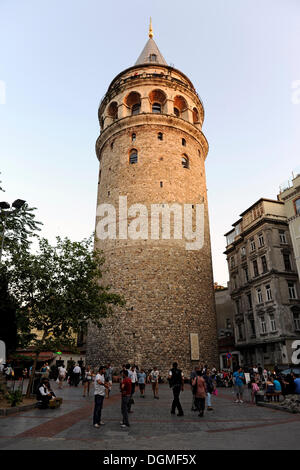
[{"x": 228, "y": 426}]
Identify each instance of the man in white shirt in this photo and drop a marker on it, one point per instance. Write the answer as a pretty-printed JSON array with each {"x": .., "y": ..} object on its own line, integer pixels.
[
  {"x": 76, "y": 375},
  {"x": 100, "y": 386}
]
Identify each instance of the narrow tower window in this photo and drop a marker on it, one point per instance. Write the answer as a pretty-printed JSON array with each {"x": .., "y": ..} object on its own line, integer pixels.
[
  {"x": 133, "y": 157},
  {"x": 153, "y": 57},
  {"x": 183, "y": 142},
  {"x": 185, "y": 161},
  {"x": 161, "y": 184},
  {"x": 133, "y": 137},
  {"x": 160, "y": 136},
  {"x": 176, "y": 112}
]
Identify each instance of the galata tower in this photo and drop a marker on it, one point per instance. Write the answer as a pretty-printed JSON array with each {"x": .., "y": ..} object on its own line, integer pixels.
[{"x": 152, "y": 155}]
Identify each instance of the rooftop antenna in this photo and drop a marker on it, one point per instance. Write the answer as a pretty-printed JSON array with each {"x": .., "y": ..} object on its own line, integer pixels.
[{"x": 150, "y": 29}]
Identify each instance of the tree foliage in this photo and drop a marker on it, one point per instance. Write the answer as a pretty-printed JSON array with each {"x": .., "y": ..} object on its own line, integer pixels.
[{"x": 58, "y": 291}]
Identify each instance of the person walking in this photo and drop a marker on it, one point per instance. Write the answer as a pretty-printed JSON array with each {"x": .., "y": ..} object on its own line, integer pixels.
[
  {"x": 176, "y": 382},
  {"x": 87, "y": 380},
  {"x": 199, "y": 385},
  {"x": 193, "y": 375},
  {"x": 142, "y": 382},
  {"x": 209, "y": 388},
  {"x": 76, "y": 375},
  {"x": 62, "y": 371},
  {"x": 239, "y": 380},
  {"x": 133, "y": 377},
  {"x": 154, "y": 376},
  {"x": 99, "y": 395},
  {"x": 125, "y": 388}
]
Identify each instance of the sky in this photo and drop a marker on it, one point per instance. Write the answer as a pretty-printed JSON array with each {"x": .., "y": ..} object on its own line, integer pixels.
[{"x": 58, "y": 58}]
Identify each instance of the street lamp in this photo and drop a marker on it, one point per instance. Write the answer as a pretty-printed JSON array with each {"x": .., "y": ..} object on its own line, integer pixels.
[{"x": 17, "y": 204}]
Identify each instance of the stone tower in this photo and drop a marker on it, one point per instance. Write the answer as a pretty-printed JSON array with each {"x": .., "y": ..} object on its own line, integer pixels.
[{"x": 152, "y": 151}]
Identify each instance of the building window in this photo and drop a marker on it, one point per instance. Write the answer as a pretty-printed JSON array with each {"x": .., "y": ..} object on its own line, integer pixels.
[
  {"x": 160, "y": 136},
  {"x": 156, "y": 108},
  {"x": 287, "y": 262},
  {"x": 243, "y": 251},
  {"x": 297, "y": 206},
  {"x": 282, "y": 236},
  {"x": 255, "y": 268},
  {"x": 259, "y": 295},
  {"x": 240, "y": 332},
  {"x": 234, "y": 282},
  {"x": 249, "y": 297},
  {"x": 112, "y": 145},
  {"x": 153, "y": 57},
  {"x": 252, "y": 326},
  {"x": 252, "y": 244},
  {"x": 268, "y": 292},
  {"x": 237, "y": 305},
  {"x": 133, "y": 137},
  {"x": 296, "y": 316},
  {"x": 133, "y": 157},
  {"x": 272, "y": 322},
  {"x": 232, "y": 262},
  {"x": 261, "y": 241},
  {"x": 161, "y": 184},
  {"x": 263, "y": 325},
  {"x": 176, "y": 112},
  {"x": 264, "y": 264},
  {"x": 246, "y": 274},
  {"x": 185, "y": 161},
  {"x": 292, "y": 290},
  {"x": 135, "y": 109},
  {"x": 183, "y": 141}
]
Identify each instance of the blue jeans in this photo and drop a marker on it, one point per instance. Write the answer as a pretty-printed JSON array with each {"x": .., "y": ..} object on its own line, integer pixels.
[
  {"x": 97, "y": 410},
  {"x": 208, "y": 399}
]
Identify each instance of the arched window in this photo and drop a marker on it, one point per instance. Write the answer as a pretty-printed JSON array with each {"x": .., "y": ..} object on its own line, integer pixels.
[
  {"x": 133, "y": 102},
  {"x": 195, "y": 116},
  {"x": 135, "y": 109},
  {"x": 133, "y": 137},
  {"x": 176, "y": 112},
  {"x": 156, "y": 108},
  {"x": 185, "y": 161},
  {"x": 133, "y": 156},
  {"x": 183, "y": 141},
  {"x": 112, "y": 110},
  {"x": 181, "y": 106}
]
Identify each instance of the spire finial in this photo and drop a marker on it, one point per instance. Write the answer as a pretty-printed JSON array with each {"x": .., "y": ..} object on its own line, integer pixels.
[{"x": 150, "y": 29}]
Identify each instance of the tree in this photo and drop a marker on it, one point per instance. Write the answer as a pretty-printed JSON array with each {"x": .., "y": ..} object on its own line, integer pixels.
[
  {"x": 58, "y": 291},
  {"x": 17, "y": 228}
]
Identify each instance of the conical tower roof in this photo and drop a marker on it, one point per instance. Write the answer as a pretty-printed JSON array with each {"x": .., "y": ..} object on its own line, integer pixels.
[{"x": 151, "y": 54}]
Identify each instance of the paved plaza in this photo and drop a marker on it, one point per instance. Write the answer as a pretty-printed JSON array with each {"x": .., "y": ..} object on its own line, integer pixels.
[{"x": 228, "y": 426}]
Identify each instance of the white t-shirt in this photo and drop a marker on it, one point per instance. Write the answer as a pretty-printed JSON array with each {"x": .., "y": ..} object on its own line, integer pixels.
[
  {"x": 154, "y": 375},
  {"x": 132, "y": 375},
  {"x": 77, "y": 370},
  {"x": 99, "y": 388},
  {"x": 62, "y": 371}
]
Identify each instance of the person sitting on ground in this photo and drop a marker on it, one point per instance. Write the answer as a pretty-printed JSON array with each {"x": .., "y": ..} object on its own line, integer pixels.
[{"x": 45, "y": 394}]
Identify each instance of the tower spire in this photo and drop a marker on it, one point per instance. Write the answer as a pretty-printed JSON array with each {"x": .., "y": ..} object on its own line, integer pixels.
[{"x": 150, "y": 29}]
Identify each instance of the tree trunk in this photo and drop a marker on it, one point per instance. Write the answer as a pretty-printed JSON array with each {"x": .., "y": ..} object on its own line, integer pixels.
[{"x": 32, "y": 376}]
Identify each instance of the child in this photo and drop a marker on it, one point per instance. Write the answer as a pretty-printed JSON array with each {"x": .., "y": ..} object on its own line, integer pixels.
[{"x": 254, "y": 390}]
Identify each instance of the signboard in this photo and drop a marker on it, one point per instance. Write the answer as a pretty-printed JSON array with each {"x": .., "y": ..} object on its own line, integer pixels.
[
  {"x": 228, "y": 355},
  {"x": 2, "y": 352},
  {"x": 195, "y": 356}
]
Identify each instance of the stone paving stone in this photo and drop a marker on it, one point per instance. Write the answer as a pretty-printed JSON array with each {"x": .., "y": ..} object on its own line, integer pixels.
[{"x": 229, "y": 426}]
